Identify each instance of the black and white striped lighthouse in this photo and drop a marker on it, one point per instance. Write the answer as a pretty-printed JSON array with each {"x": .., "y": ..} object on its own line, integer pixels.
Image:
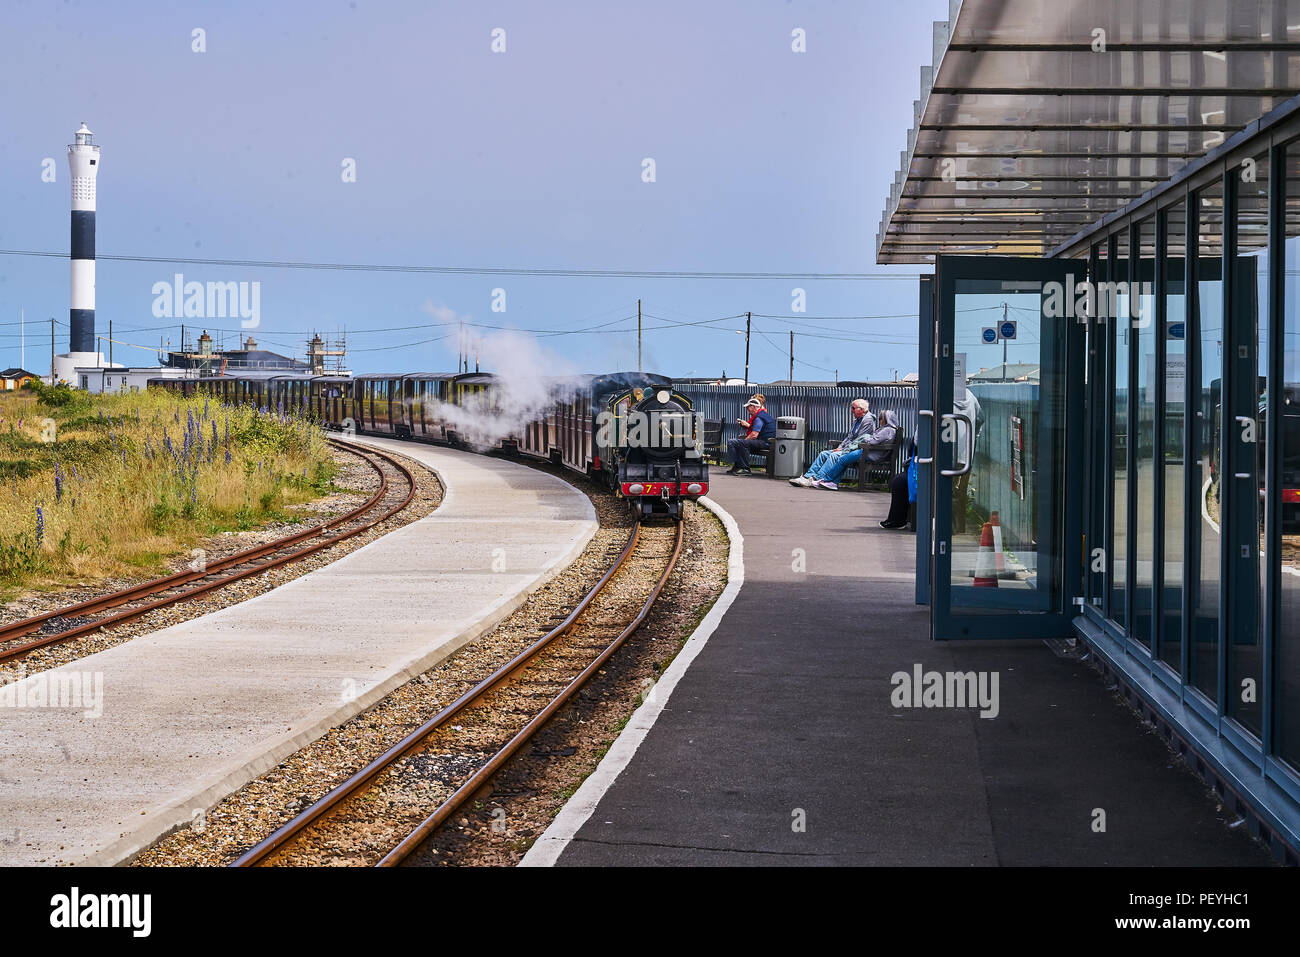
[{"x": 83, "y": 161}]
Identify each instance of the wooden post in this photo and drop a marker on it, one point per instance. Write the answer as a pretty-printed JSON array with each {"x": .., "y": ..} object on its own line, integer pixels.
[{"x": 748, "y": 317}]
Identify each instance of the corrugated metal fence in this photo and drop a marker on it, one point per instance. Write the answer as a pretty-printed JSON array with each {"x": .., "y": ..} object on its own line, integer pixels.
[{"x": 824, "y": 408}]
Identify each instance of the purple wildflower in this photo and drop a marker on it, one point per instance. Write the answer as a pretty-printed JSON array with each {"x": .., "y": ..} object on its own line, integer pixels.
[
  {"x": 40, "y": 526},
  {"x": 58, "y": 483}
]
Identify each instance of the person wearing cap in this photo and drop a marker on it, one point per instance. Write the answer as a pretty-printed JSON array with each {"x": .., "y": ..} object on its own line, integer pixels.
[
  {"x": 760, "y": 430},
  {"x": 752, "y": 409}
]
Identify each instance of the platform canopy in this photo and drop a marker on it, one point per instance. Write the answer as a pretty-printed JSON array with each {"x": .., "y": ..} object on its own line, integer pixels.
[{"x": 1039, "y": 117}]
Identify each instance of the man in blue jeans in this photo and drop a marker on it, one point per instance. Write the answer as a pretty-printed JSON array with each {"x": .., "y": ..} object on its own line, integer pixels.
[{"x": 859, "y": 444}]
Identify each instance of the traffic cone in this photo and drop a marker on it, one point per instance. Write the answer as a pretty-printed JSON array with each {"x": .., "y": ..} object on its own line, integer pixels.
[
  {"x": 999, "y": 559},
  {"x": 986, "y": 575}
]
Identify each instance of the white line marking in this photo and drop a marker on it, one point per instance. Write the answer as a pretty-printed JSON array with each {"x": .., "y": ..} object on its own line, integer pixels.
[{"x": 548, "y": 848}]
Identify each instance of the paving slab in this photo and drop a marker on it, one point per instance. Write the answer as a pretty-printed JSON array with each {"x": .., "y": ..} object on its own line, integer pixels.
[
  {"x": 193, "y": 712},
  {"x": 780, "y": 743}
]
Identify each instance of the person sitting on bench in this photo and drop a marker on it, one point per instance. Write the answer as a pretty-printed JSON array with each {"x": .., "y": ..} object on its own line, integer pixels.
[
  {"x": 864, "y": 450},
  {"x": 902, "y": 492},
  {"x": 831, "y": 463},
  {"x": 761, "y": 431}
]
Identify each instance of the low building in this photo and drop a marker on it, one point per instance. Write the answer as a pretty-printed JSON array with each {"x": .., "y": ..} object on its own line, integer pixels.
[
  {"x": 15, "y": 378},
  {"x": 247, "y": 358},
  {"x": 97, "y": 379}
]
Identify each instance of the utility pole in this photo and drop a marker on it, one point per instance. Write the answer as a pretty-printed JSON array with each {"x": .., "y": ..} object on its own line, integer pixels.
[
  {"x": 1004, "y": 344},
  {"x": 51, "y": 351},
  {"x": 638, "y": 335},
  {"x": 748, "y": 317},
  {"x": 110, "y": 343},
  {"x": 22, "y": 331},
  {"x": 792, "y": 357}
]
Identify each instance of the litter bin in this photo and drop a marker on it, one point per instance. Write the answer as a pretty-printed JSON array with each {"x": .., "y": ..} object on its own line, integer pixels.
[{"x": 791, "y": 437}]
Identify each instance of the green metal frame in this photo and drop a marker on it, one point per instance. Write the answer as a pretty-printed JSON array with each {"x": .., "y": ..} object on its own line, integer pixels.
[{"x": 1008, "y": 617}]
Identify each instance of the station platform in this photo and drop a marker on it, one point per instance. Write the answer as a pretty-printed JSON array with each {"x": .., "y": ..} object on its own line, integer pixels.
[
  {"x": 784, "y": 718},
  {"x": 194, "y": 711}
]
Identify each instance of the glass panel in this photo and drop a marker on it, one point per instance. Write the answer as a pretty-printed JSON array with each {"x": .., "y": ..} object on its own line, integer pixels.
[
  {"x": 1171, "y": 603},
  {"x": 1118, "y": 316},
  {"x": 1246, "y": 649},
  {"x": 1143, "y": 340},
  {"x": 1002, "y": 507},
  {"x": 1287, "y": 683},
  {"x": 1099, "y": 432},
  {"x": 1204, "y": 632}
]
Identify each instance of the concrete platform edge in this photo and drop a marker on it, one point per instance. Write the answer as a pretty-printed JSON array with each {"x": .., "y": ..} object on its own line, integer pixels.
[
  {"x": 173, "y": 817},
  {"x": 546, "y": 850}
]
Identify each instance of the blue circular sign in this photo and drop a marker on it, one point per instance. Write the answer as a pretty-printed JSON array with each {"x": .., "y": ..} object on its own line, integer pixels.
[
  {"x": 1008, "y": 329},
  {"x": 990, "y": 335}
]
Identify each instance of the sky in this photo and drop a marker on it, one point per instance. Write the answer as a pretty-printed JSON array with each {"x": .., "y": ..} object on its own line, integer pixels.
[{"x": 393, "y": 134}]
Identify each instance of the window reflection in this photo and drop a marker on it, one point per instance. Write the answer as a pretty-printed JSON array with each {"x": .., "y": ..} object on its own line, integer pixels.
[
  {"x": 1246, "y": 440},
  {"x": 1287, "y": 681},
  {"x": 1143, "y": 342},
  {"x": 1118, "y": 316},
  {"x": 1206, "y": 556},
  {"x": 1171, "y": 643}
]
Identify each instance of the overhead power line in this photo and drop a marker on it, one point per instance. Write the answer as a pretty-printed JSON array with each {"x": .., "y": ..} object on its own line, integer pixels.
[{"x": 480, "y": 270}]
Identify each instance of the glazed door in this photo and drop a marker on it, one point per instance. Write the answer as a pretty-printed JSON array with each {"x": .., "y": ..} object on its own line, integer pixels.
[{"x": 1007, "y": 437}]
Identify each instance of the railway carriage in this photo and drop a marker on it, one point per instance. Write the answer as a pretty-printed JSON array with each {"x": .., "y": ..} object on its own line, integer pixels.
[{"x": 582, "y": 427}]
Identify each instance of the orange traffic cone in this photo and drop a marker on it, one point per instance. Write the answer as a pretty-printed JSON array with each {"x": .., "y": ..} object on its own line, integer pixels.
[
  {"x": 986, "y": 575},
  {"x": 999, "y": 559}
]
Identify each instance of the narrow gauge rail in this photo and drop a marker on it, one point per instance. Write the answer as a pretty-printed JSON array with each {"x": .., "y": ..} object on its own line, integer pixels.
[
  {"x": 514, "y": 672},
  {"x": 183, "y": 585}
]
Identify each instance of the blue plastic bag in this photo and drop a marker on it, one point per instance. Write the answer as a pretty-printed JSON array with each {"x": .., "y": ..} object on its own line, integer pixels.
[{"x": 911, "y": 481}]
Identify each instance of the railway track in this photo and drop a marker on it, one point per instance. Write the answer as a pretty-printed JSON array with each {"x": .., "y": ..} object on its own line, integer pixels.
[
  {"x": 381, "y": 814},
  {"x": 115, "y": 608}
]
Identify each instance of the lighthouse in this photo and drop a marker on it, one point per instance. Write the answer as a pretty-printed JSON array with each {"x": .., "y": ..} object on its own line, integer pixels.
[{"x": 83, "y": 163}]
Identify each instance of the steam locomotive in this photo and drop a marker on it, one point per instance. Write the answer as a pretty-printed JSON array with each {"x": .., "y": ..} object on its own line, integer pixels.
[{"x": 630, "y": 430}]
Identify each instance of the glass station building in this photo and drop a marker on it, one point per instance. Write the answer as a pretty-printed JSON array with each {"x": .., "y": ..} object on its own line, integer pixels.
[{"x": 1109, "y": 193}]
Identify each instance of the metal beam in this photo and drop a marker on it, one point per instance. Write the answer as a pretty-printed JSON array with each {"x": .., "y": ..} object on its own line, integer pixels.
[
  {"x": 1077, "y": 128},
  {"x": 1076, "y": 155},
  {"x": 1152, "y": 46},
  {"x": 1113, "y": 91}
]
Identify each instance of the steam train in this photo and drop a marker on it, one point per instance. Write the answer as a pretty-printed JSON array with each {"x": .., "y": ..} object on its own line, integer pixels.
[{"x": 630, "y": 430}]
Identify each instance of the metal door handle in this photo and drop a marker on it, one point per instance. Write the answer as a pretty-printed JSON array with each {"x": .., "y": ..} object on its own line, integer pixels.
[
  {"x": 970, "y": 445},
  {"x": 1241, "y": 475},
  {"x": 929, "y": 458}
]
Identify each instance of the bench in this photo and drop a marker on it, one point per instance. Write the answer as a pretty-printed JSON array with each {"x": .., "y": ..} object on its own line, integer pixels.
[{"x": 884, "y": 469}]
